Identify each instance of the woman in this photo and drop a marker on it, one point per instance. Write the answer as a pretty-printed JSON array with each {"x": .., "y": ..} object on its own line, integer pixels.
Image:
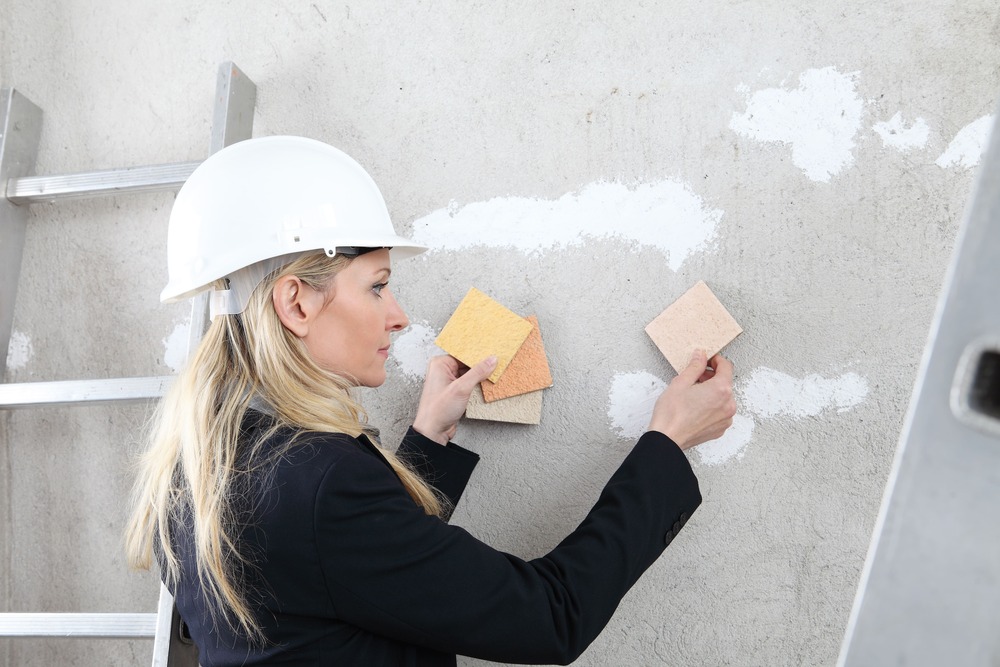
[{"x": 286, "y": 533}]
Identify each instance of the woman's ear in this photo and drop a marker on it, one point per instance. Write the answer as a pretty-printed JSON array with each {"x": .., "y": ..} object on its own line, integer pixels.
[{"x": 295, "y": 304}]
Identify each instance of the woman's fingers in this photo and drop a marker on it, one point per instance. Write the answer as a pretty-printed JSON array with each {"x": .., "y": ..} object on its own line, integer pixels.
[
  {"x": 446, "y": 394},
  {"x": 695, "y": 408}
]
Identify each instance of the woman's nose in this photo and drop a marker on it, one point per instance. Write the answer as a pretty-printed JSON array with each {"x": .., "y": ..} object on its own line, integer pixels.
[{"x": 396, "y": 319}]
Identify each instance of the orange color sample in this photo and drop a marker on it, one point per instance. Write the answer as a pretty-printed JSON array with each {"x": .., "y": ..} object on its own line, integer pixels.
[{"x": 528, "y": 370}]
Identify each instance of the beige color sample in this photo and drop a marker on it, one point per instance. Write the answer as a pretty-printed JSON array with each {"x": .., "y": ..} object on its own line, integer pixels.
[
  {"x": 528, "y": 370},
  {"x": 697, "y": 320},
  {"x": 522, "y": 409},
  {"x": 481, "y": 327}
]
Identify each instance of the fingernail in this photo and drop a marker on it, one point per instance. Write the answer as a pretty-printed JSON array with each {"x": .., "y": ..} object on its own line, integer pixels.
[{"x": 492, "y": 361}]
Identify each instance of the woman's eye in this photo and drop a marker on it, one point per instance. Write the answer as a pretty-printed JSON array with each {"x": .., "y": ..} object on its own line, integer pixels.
[{"x": 377, "y": 288}]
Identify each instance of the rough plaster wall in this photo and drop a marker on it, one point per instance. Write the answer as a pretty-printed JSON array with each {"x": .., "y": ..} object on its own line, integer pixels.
[{"x": 834, "y": 280}]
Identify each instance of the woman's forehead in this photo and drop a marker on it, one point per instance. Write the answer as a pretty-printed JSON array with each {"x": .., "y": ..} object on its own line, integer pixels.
[{"x": 371, "y": 263}]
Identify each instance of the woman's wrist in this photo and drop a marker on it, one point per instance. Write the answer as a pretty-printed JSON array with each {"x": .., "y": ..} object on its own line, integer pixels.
[
  {"x": 430, "y": 433},
  {"x": 676, "y": 435}
]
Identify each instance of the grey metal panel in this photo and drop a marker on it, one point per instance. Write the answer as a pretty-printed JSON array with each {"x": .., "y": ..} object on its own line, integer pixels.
[
  {"x": 77, "y": 625},
  {"x": 20, "y": 129},
  {"x": 74, "y": 392},
  {"x": 45, "y": 189},
  {"x": 930, "y": 590}
]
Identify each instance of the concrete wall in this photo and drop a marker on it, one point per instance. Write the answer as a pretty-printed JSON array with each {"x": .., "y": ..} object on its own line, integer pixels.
[{"x": 583, "y": 161}]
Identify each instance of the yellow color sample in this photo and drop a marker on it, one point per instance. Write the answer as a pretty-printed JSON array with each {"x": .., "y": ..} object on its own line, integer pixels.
[{"x": 481, "y": 327}]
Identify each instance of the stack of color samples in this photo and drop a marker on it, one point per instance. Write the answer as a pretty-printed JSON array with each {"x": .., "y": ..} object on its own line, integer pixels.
[{"x": 481, "y": 327}]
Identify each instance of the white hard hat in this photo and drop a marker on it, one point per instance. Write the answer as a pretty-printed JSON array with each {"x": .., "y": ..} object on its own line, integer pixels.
[{"x": 256, "y": 205}]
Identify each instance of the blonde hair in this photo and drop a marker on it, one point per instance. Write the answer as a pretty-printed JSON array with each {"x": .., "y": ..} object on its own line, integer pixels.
[{"x": 195, "y": 455}]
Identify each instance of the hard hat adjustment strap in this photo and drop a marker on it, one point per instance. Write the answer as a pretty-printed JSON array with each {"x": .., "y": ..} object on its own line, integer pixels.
[
  {"x": 244, "y": 281},
  {"x": 223, "y": 302}
]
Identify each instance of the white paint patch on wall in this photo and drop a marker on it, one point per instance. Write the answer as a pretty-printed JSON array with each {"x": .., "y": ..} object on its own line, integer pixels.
[
  {"x": 630, "y": 402},
  {"x": 895, "y": 133},
  {"x": 667, "y": 216},
  {"x": 967, "y": 148},
  {"x": 730, "y": 446},
  {"x": 819, "y": 120},
  {"x": 630, "y": 406},
  {"x": 413, "y": 348},
  {"x": 176, "y": 346},
  {"x": 19, "y": 351},
  {"x": 769, "y": 393},
  {"x": 766, "y": 394}
]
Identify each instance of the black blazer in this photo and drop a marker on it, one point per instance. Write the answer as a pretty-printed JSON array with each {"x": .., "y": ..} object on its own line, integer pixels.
[{"x": 349, "y": 571}]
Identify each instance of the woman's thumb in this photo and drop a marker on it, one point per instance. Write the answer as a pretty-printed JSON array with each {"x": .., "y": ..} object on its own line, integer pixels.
[
  {"x": 479, "y": 372},
  {"x": 695, "y": 367}
]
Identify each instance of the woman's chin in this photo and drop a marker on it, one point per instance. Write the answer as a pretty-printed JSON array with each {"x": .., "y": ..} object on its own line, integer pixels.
[{"x": 372, "y": 382}]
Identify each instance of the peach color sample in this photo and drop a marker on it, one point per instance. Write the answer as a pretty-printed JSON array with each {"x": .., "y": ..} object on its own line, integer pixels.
[
  {"x": 697, "y": 320},
  {"x": 528, "y": 370},
  {"x": 481, "y": 327},
  {"x": 522, "y": 409}
]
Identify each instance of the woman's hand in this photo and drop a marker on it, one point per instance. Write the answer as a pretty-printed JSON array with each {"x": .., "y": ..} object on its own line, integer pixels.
[
  {"x": 698, "y": 405},
  {"x": 447, "y": 387}
]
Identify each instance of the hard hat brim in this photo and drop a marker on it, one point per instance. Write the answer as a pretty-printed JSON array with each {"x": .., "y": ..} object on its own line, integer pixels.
[{"x": 399, "y": 249}]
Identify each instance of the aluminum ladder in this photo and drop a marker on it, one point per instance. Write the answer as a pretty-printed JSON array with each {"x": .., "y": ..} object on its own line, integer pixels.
[
  {"x": 20, "y": 129},
  {"x": 930, "y": 589}
]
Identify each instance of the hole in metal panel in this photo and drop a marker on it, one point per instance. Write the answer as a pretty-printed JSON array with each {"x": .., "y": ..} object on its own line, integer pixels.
[{"x": 984, "y": 394}]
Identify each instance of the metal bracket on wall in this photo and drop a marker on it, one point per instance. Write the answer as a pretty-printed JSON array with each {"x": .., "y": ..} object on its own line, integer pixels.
[{"x": 232, "y": 121}]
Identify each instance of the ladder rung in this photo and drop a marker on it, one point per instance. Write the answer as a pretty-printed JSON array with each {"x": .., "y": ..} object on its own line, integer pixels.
[
  {"x": 38, "y": 189},
  {"x": 77, "y": 625},
  {"x": 69, "y": 392}
]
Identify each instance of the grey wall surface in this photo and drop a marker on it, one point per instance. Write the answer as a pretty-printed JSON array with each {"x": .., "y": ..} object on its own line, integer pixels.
[{"x": 586, "y": 162}]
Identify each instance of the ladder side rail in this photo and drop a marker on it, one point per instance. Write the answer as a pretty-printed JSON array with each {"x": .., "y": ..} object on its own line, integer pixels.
[
  {"x": 232, "y": 121},
  {"x": 20, "y": 131}
]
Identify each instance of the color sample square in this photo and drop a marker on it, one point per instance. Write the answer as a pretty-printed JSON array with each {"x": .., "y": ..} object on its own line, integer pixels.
[
  {"x": 697, "y": 320},
  {"x": 522, "y": 409},
  {"x": 528, "y": 370},
  {"x": 481, "y": 327}
]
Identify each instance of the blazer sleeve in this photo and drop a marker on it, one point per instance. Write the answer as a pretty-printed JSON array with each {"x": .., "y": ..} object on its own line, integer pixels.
[
  {"x": 394, "y": 571},
  {"x": 447, "y": 468}
]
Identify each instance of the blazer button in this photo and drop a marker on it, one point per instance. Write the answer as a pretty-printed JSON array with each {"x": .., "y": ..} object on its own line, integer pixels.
[
  {"x": 684, "y": 518},
  {"x": 677, "y": 527},
  {"x": 668, "y": 538}
]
